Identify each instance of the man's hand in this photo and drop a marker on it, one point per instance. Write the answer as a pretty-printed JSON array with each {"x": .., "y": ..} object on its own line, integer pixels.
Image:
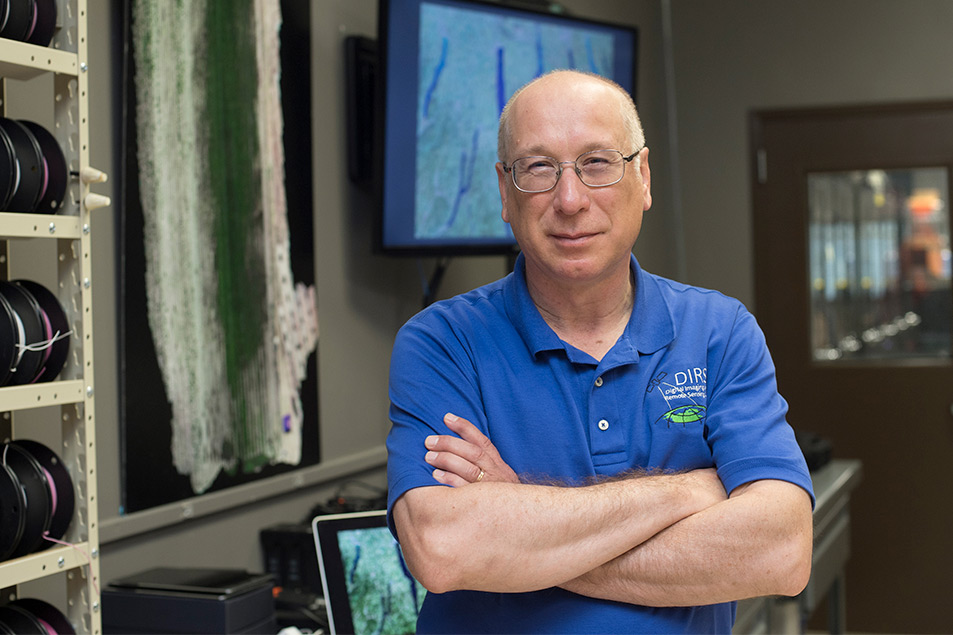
[{"x": 471, "y": 458}]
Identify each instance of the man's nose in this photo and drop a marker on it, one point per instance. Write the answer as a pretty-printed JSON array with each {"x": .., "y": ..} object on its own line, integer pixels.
[{"x": 572, "y": 195}]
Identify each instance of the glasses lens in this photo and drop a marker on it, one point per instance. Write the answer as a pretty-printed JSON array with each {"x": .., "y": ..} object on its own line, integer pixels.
[
  {"x": 596, "y": 169},
  {"x": 600, "y": 168},
  {"x": 535, "y": 174}
]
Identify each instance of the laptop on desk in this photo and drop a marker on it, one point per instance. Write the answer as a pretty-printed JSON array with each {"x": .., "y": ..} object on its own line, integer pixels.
[{"x": 367, "y": 586}]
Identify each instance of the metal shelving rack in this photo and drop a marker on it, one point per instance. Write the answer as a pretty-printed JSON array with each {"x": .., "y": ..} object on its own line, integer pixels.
[{"x": 73, "y": 391}]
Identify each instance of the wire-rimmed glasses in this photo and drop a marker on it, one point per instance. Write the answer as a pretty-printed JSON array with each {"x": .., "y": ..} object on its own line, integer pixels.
[{"x": 598, "y": 168}]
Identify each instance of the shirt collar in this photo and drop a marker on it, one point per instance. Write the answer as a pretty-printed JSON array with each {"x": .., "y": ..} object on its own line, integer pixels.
[
  {"x": 536, "y": 333},
  {"x": 650, "y": 328},
  {"x": 652, "y": 325}
]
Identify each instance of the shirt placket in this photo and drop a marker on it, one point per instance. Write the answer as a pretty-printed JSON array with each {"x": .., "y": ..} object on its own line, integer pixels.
[{"x": 606, "y": 428}]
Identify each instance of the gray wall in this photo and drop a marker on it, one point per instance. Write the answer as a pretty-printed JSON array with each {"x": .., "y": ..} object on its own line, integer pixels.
[
  {"x": 362, "y": 301},
  {"x": 734, "y": 56}
]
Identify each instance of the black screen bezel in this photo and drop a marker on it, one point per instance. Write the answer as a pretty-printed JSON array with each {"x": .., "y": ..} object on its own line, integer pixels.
[{"x": 452, "y": 246}]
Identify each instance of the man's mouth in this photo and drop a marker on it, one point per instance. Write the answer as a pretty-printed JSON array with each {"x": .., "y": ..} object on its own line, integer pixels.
[{"x": 573, "y": 238}]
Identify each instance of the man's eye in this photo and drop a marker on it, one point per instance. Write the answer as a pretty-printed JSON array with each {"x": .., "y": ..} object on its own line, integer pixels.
[
  {"x": 597, "y": 159},
  {"x": 597, "y": 167},
  {"x": 539, "y": 166}
]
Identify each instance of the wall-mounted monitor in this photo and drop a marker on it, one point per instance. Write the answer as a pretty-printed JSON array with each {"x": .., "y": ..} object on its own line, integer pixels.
[{"x": 445, "y": 70}]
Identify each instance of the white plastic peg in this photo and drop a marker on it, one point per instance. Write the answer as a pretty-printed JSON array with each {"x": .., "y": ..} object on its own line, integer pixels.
[
  {"x": 92, "y": 175},
  {"x": 95, "y": 201}
]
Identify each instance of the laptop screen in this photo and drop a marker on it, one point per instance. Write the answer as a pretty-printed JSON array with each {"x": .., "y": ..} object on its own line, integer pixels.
[{"x": 367, "y": 586}]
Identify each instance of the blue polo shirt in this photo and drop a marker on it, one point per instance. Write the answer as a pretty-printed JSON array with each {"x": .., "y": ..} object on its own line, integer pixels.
[{"x": 690, "y": 384}]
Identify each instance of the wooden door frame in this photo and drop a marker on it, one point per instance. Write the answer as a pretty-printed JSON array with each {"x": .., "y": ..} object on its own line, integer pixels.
[{"x": 906, "y": 455}]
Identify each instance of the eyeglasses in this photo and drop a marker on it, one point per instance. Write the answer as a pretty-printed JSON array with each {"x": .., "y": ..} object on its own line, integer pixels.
[{"x": 599, "y": 168}]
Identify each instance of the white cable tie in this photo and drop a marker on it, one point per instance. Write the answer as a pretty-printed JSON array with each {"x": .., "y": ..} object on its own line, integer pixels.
[
  {"x": 22, "y": 333},
  {"x": 37, "y": 347}
]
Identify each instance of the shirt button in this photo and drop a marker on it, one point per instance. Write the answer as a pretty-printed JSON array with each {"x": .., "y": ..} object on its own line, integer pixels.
[
  {"x": 603, "y": 424},
  {"x": 598, "y": 381}
]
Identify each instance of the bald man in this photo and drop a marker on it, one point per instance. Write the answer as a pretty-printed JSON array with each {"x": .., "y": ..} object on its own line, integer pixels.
[{"x": 582, "y": 446}]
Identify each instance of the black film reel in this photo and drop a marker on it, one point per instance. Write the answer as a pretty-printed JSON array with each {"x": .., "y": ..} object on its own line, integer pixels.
[
  {"x": 36, "y": 492},
  {"x": 27, "y": 311},
  {"x": 57, "y": 352},
  {"x": 55, "y": 171},
  {"x": 62, "y": 498},
  {"x": 12, "y": 508}
]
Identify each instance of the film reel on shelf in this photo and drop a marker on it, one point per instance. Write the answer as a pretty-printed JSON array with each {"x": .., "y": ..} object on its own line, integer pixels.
[
  {"x": 33, "y": 170},
  {"x": 36, "y": 498},
  {"x": 30, "y": 21},
  {"x": 34, "y": 333},
  {"x": 30, "y": 615}
]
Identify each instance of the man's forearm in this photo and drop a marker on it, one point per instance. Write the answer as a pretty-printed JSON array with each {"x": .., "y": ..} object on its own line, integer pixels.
[
  {"x": 512, "y": 537},
  {"x": 756, "y": 543}
]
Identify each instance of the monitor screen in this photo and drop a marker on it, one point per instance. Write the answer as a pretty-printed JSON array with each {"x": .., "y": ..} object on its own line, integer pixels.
[
  {"x": 367, "y": 586},
  {"x": 447, "y": 68}
]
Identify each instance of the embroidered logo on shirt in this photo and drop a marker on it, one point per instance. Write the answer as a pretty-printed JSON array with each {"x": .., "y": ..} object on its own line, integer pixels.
[{"x": 687, "y": 385}]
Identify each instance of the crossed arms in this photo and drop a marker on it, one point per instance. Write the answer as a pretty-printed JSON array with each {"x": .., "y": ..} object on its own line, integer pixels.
[{"x": 653, "y": 540}]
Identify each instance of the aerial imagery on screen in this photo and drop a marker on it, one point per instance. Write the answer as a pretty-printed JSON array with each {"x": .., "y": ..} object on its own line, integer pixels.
[
  {"x": 383, "y": 596},
  {"x": 470, "y": 62}
]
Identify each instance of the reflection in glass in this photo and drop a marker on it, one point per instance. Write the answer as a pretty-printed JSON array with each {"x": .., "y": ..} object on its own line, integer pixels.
[{"x": 880, "y": 264}]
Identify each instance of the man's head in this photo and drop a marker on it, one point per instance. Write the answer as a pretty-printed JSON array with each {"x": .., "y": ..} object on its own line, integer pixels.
[
  {"x": 630, "y": 116},
  {"x": 574, "y": 232}
]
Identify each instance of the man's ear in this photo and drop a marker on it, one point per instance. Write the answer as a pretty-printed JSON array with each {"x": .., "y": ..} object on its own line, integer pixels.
[
  {"x": 501, "y": 177},
  {"x": 646, "y": 179}
]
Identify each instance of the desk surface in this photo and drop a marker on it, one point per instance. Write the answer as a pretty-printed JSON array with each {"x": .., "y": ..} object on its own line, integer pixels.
[{"x": 833, "y": 484}]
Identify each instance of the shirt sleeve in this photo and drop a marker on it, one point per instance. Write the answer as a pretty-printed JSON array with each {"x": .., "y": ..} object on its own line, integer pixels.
[
  {"x": 431, "y": 374},
  {"x": 747, "y": 418}
]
